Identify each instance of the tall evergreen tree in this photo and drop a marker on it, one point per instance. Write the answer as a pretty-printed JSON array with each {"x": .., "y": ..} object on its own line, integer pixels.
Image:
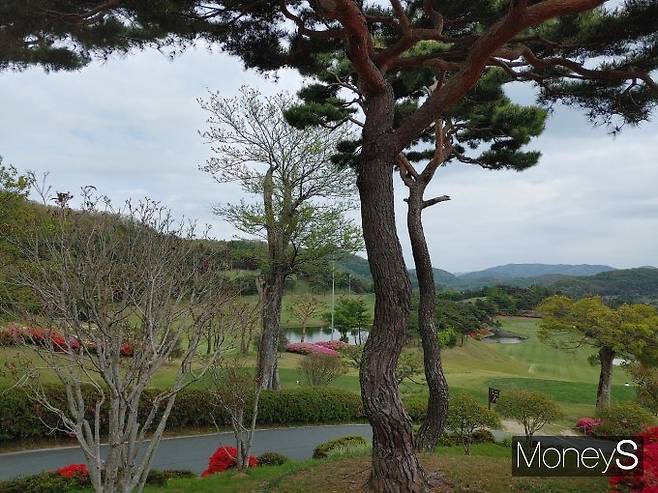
[
  {"x": 484, "y": 129},
  {"x": 574, "y": 51}
]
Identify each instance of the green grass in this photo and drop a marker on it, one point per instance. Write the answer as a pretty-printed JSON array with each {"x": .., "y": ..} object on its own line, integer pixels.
[{"x": 566, "y": 376}]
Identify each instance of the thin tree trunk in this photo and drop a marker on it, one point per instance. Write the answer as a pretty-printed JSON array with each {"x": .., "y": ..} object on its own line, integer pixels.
[
  {"x": 433, "y": 425},
  {"x": 269, "y": 341},
  {"x": 395, "y": 467},
  {"x": 606, "y": 356}
]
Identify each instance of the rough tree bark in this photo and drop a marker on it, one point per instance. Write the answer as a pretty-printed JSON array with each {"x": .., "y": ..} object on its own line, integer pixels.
[
  {"x": 269, "y": 340},
  {"x": 433, "y": 425},
  {"x": 606, "y": 356},
  {"x": 395, "y": 467},
  {"x": 272, "y": 294}
]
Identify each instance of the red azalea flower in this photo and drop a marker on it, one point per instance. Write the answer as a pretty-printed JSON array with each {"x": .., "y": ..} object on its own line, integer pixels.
[
  {"x": 225, "y": 458},
  {"x": 648, "y": 481},
  {"x": 79, "y": 471}
]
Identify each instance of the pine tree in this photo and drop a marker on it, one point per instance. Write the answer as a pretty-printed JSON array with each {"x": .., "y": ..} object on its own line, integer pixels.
[{"x": 574, "y": 51}]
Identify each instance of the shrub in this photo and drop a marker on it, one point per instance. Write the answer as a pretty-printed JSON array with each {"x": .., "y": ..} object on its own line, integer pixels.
[
  {"x": 320, "y": 369},
  {"x": 416, "y": 406},
  {"x": 623, "y": 419},
  {"x": 350, "y": 450},
  {"x": 160, "y": 478},
  {"x": 272, "y": 459},
  {"x": 46, "y": 482},
  {"x": 325, "y": 449},
  {"x": 335, "y": 345},
  {"x": 532, "y": 409},
  {"x": 648, "y": 481},
  {"x": 20, "y": 417},
  {"x": 310, "y": 348},
  {"x": 10, "y": 335},
  {"x": 587, "y": 424},
  {"x": 72, "y": 478},
  {"x": 225, "y": 458},
  {"x": 465, "y": 415},
  {"x": 75, "y": 471},
  {"x": 482, "y": 435}
]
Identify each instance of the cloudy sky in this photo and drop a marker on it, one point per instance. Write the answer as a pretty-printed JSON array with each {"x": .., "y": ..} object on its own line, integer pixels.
[{"x": 129, "y": 126}]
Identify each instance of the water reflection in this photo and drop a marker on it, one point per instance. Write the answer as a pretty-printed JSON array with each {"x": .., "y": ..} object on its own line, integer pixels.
[{"x": 317, "y": 334}]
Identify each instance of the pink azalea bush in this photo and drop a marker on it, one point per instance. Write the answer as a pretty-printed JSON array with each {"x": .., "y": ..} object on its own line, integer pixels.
[
  {"x": 586, "y": 425},
  {"x": 335, "y": 345},
  {"x": 308, "y": 348}
]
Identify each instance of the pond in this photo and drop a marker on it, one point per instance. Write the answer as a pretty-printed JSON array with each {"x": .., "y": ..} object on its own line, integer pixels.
[
  {"x": 502, "y": 337},
  {"x": 317, "y": 334}
]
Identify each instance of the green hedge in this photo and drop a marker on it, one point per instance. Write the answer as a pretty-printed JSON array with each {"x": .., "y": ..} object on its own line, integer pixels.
[{"x": 22, "y": 418}]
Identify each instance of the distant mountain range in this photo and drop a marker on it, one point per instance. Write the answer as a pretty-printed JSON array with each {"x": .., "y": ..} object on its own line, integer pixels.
[{"x": 574, "y": 280}]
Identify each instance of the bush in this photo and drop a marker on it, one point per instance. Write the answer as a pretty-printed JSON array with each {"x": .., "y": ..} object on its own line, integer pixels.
[
  {"x": 416, "y": 406},
  {"x": 74, "y": 477},
  {"x": 46, "y": 482},
  {"x": 648, "y": 482},
  {"x": 21, "y": 418},
  {"x": 466, "y": 415},
  {"x": 320, "y": 369},
  {"x": 532, "y": 409},
  {"x": 587, "y": 424},
  {"x": 79, "y": 472},
  {"x": 482, "y": 435},
  {"x": 160, "y": 478},
  {"x": 335, "y": 345},
  {"x": 325, "y": 449},
  {"x": 310, "y": 348},
  {"x": 225, "y": 458},
  {"x": 623, "y": 419},
  {"x": 272, "y": 459}
]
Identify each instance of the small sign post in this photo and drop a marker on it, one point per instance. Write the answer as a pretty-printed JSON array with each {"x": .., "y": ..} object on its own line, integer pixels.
[{"x": 494, "y": 394}]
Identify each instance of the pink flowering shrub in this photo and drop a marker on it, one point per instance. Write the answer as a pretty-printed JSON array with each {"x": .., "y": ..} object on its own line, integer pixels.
[
  {"x": 629, "y": 482},
  {"x": 309, "y": 348},
  {"x": 223, "y": 459},
  {"x": 335, "y": 345},
  {"x": 587, "y": 424}
]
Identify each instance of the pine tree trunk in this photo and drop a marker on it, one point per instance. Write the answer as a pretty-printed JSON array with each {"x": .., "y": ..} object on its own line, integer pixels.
[
  {"x": 606, "y": 356},
  {"x": 431, "y": 430},
  {"x": 269, "y": 341},
  {"x": 395, "y": 467}
]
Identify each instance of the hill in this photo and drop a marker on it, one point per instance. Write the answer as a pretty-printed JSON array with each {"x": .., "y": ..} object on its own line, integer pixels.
[
  {"x": 640, "y": 283},
  {"x": 516, "y": 271},
  {"x": 441, "y": 277}
]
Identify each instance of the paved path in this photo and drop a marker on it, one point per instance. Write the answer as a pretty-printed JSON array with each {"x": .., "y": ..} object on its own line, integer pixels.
[{"x": 190, "y": 453}]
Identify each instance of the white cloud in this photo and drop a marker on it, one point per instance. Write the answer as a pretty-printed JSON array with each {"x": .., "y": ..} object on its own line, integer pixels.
[{"x": 130, "y": 126}]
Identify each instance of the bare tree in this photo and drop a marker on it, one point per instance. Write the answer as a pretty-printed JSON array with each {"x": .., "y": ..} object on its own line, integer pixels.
[
  {"x": 236, "y": 392},
  {"x": 117, "y": 290},
  {"x": 236, "y": 322},
  {"x": 304, "y": 308},
  {"x": 303, "y": 197}
]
